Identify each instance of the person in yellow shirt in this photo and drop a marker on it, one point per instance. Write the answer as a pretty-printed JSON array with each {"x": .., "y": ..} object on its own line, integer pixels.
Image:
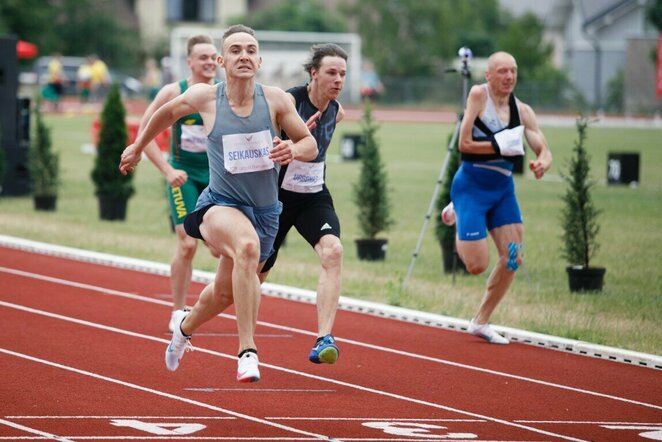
[
  {"x": 99, "y": 79},
  {"x": 84, "y": 79},
  {"x": 56, "y": 81}
]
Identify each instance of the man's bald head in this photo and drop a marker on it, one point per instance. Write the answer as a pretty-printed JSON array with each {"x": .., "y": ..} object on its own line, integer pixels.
[{"x": 499, "y": 58}]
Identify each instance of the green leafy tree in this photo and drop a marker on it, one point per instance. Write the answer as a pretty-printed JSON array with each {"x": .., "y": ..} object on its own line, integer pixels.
[
  {"x": 540, "y": 83},
  {"x": 44, "y": 163},
  {"x": 73, "y": 27},
  {"x": 407, "y": 38},
  {"x": 113, "y": 138},
  {"x": 654, "y": 14},
  {"x": 295, "y": 15},
  {"x": 370, "y": 192},
  {"x": 30, "y": 20},
  {"x": 523, "y": 38},
  {"x": 94, "y": 27},
  {"x": 579, "y": 214}
]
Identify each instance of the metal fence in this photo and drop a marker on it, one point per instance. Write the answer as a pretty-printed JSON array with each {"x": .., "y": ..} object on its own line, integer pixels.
[{"x": 447, "y": 91}]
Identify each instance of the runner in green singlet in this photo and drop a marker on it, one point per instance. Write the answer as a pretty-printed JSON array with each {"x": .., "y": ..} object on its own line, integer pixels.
[{"x": 186, "y": 170}]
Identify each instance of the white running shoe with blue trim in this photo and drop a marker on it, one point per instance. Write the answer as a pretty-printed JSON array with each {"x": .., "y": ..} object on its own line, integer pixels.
[
  {"x": 486, "y": 332},
  {"x": 179, "y": 344}
]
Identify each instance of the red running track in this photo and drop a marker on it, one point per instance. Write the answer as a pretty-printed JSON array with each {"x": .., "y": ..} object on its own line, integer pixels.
[{"x": 82, "y": 359}]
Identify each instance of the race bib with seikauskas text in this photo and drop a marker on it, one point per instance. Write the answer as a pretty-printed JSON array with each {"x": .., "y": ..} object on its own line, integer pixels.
[{"x": 245, "y": 153}]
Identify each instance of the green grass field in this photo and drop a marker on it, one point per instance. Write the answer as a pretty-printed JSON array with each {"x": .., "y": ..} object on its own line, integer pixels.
[{"x": 626, "y": 314}]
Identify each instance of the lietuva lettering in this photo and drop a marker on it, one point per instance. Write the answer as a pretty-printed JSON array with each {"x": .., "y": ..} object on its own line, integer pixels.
[
  {"x": 248, "y": 154},
  {"x": 178, "y": 199}
]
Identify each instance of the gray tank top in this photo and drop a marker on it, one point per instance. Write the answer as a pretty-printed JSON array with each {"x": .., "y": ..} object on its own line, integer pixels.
[
  {"x": 489, "y": 118},
  {"x": 238, "y": 150}
]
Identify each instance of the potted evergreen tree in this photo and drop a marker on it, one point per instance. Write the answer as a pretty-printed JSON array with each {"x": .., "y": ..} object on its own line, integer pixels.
[
  {"x": 44, "y": 165},
  {"x": 112, "y": 188},
  {"x": 446, "y": 234},
  {"x": 370, "y": 193},
  {"x": 579, "y": 219}
]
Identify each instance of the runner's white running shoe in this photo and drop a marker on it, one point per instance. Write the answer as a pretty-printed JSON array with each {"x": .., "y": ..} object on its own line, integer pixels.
[
  {"x": 448, "y": 214},
  {"x": 247, "y": 367},
  {"x": 179, "y": 343},
  {"x": 486, "y": 332},
  {"x": 173, "y": 318}
]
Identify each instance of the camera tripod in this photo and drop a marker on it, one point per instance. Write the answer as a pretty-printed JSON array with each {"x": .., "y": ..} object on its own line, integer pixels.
[{"x": 465, "y": 54}]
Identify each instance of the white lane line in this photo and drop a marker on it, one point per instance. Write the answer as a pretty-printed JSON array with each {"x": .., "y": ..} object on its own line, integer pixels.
[
  {"x": 588, "y": 422},
  {"x": 56, "y": 417},
  {"x": 259, "y": 390},
  {"x": 348, "y": 341},
  {"x": 380, "y": 419},
  {"x": 290, "y": 371},
  {"x": 163, "y": 394},
  {"x": 207, "y": 438},
  {"x": 34, "y": 431}
]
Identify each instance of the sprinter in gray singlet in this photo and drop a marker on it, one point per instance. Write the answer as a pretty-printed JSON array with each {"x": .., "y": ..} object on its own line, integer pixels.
[{"x": 238, "y": 214}]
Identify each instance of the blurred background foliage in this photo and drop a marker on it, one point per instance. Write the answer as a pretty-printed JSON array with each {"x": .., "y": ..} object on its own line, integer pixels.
[
  {"x": 411, "y": 43},
  {"x": 74, "y": 27}
]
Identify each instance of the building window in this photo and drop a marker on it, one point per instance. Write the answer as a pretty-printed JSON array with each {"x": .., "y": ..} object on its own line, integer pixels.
[{"x": 191, "y": 10}]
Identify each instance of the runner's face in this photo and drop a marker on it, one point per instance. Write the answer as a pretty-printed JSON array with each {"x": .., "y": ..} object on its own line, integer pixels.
[
  {"x": 241, "y": 56},
  {"x": 502, "y": 75},
  {"x": 330, "y": 77},
  {"x": 202, "y": 60}
]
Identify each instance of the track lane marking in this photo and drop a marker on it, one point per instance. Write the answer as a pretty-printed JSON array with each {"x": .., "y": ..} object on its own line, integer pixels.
[
  {"x": 162, "y": 394},
  {"x": 122, "y": 417},
  {"x": 343, "y": 340},
  {"x": 286, "y": 370},
  {"x": 34, "y": 431}
]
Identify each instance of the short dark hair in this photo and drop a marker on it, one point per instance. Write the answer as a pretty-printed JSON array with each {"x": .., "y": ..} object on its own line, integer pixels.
[
  {"x": 197, "y": 39},
  {"x": 319, "y": 51},
  {"x": 236, "y": 29}
]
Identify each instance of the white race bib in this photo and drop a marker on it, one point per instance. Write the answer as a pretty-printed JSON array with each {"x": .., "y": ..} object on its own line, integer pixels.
[
  {"x": 245, "y": 153},
  {"x": 510, "y": 141},
  {"x": 193, "y": 138},
  {"x": 304, "y": 177}
]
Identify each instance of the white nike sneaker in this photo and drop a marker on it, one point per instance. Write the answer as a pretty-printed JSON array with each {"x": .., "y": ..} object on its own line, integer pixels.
[
  {"x": 173, "y": 318},
  {"x": 247, "y": 367},
  {"x": 486, "y": 332},
  {"x": 179, "y": 344},
  {"x": 448, "y": 214}
]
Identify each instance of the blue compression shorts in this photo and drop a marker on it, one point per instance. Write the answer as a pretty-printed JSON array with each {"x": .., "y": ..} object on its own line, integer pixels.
[
  {"x": 483, "y": 195},
  {"x": 264, "y": 219}
]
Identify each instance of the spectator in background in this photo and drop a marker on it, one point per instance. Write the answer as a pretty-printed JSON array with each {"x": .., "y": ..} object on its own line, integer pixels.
[
  {"x": 56, "y": 82},
  {"x": 84, "y": 80},
  {"x": 100, "y": 79},
  {"x": 166, "y": 70},
  {"x": 152, "y": 78},
  {"x": 371, "y": 86}
]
